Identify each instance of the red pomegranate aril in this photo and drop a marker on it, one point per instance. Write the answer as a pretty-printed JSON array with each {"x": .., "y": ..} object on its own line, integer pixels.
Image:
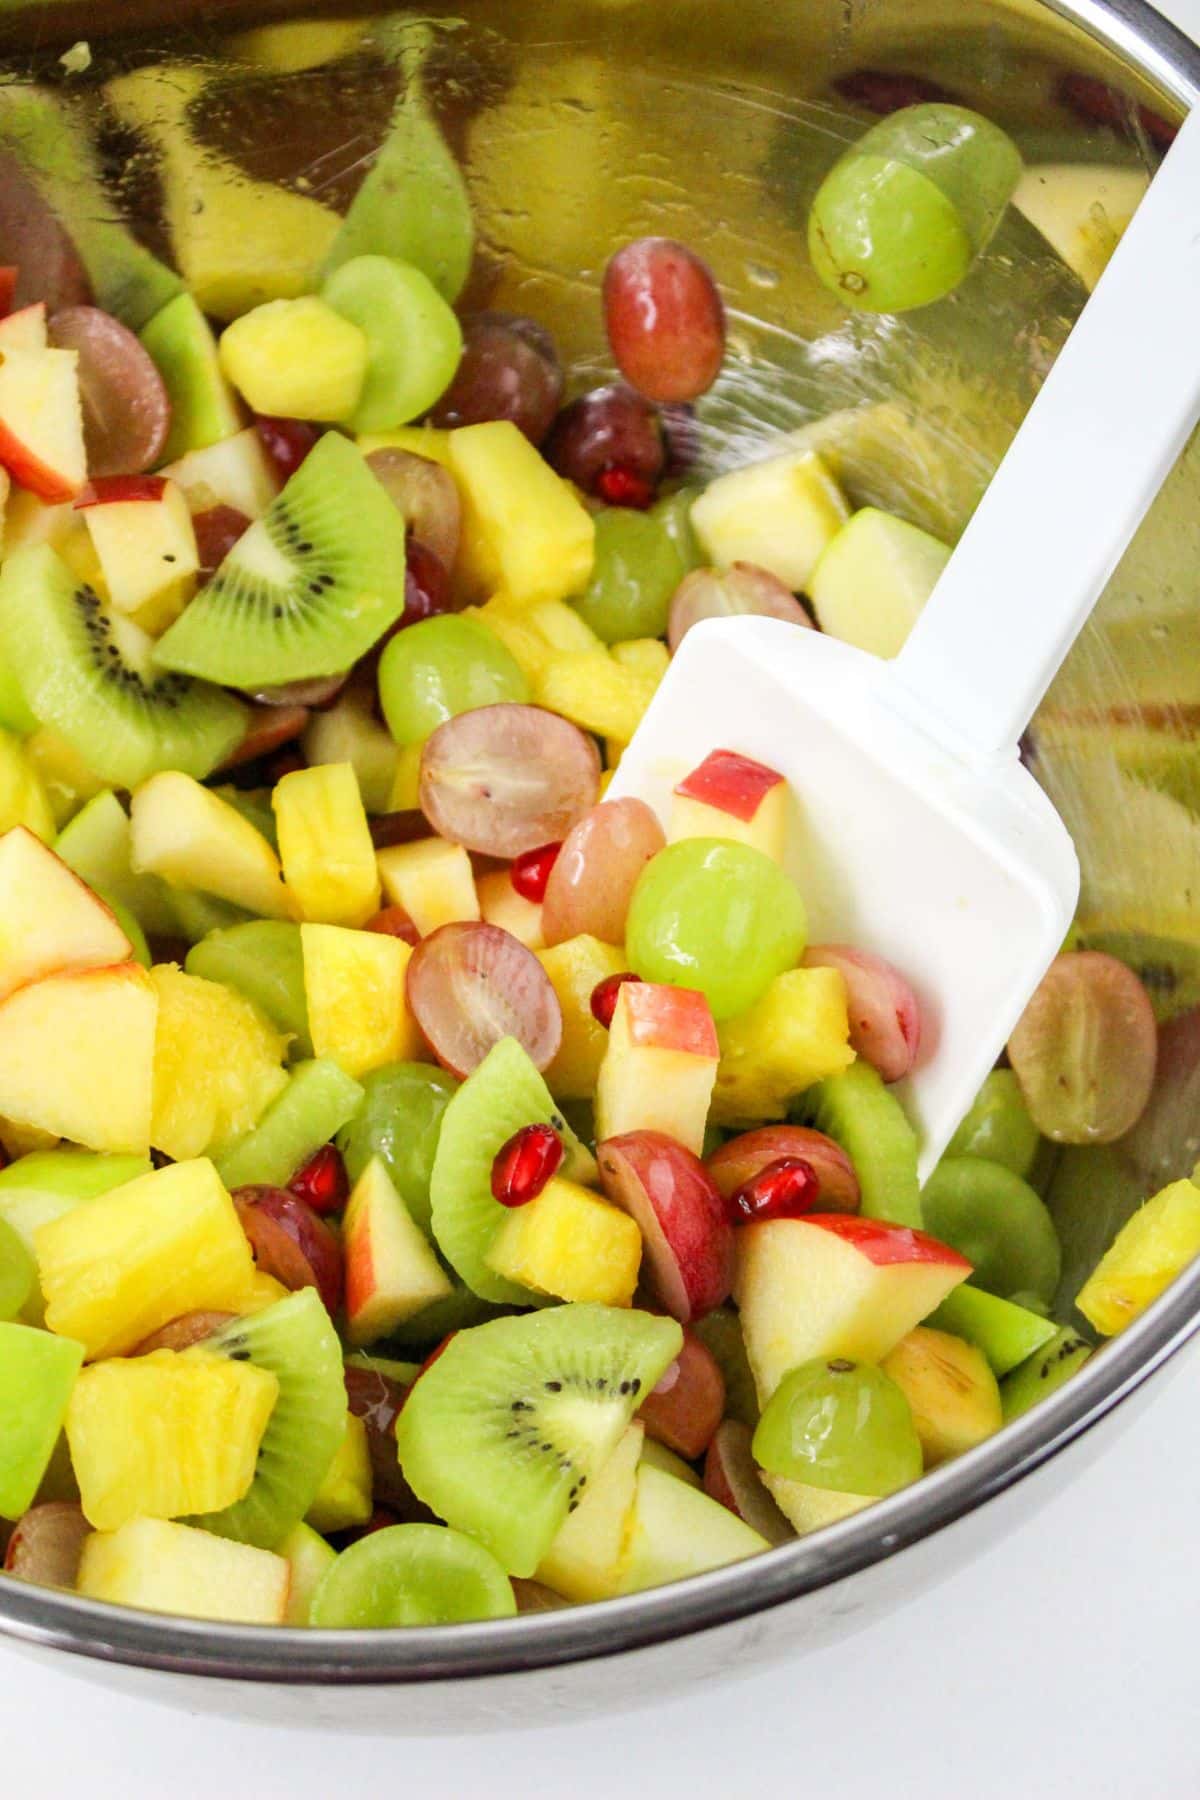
[
  {"x": 291, "y": 1242},
  {"x": 524, "y": 1165},
  {"x": 739, "y": 1160},
  {"x": 286, "y": 441},
  {"x": 323, "y": 1183},
  {"x": 665, "y": 319},
  {"x": 619, "y": 486},
  {"x": 126, "y": 408},
  {"x": 604, "y": 996},
  {"x": 393, "y": 921},
  {"x": 608, "y": 439},
  {"x": 787, "y": 1189},
  {"x": 470, "y": 984},
  {"x": 531, "y": 871},
  {"x": 217, "y": 529},
  {"x": 509, "y": 370}
]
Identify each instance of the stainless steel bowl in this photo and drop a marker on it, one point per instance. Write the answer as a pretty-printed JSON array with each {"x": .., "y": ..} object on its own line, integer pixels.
[{"x": 583, "y": 122}]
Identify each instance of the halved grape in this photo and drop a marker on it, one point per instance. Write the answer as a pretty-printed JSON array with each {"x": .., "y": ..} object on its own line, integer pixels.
[
  {"x": 291, "y": 1242},
  {"x": 1084, "y": 1049},
  {"x": 730, "y": 593},
  {"x": 286, "y": 441},
  {"x": 743, "y": 1157},
  {"x": 610, "y": 428},
  {"x": 126, "y": 410},
  {"x": 597, "y": 869},
  {"x": 181, "y": 1333},
  {"x": 664, "y": 319},
  {"x": 47, "y": 1544},
  {"x": 427, "y": 590},
  {"x": 685, "y": 1408},
  {"x": 411, "y": 1575},
  {"x": 839, "y": 1425},
  {"x": 440, "y": 668},
  {"x": 217, "y": 529},
  {"x": 885, "y": 1019},
  {"x": 505, "y": 779},
  {"x": 472, "y": 984},
  {"x": 268, "y": 728},
  {"x": 509, "y": 370},
  {"x": 321, "y": 691},
  {"x": 994, "y": 1219},
  {"x": 427, "y": 497}
]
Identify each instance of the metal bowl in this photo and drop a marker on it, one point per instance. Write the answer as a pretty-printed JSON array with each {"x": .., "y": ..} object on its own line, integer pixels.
[{"x": 582, "y": 122}]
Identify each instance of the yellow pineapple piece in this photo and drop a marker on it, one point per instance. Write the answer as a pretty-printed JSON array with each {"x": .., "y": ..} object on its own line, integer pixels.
[
  {"x": 779, "y": 514},
  {"x": 524, "y": 529},
  {"x": 659, "y": 1064},
  {"x": 574, "y": 968},
  {"x": 65, "y": 778},
  {"x": 584, "y": 1561},
  {"x": 261, "y": 1291},
  {"x": 296, "y": 359},
  {"x": 218, "y": 1064},
  {"x": 432, "y": 880},
  {"x": 595, "y": 691},
  {"x": 358, "y": 1010},
  {"x": 405, "y": 793},
  {"x": 1144, "y": 1258},
  {"x": 500, "y": 904},
  {"x": 194, "y": 839},
  {"x": 24, "y": 799},
  {"x": 572, "y": 1244},
  {"x": 325, "y": 845},
  {"x": 950, "y": 1388},
  {"x": 165, "y": 1435},
  {"x": 165, "y": 1567},
  {"x": 648, "y": 657},
  {"x": 344, "y": 1496},
  {"x": 129, "y": 1261},
  {"x": 517, "y": 632},
  {"x": 418, "y": 440},
  {"x": 562, "y": 628},
  {"x": 797, "y": 1034}
]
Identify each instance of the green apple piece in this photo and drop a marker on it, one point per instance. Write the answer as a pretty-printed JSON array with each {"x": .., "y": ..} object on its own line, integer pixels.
[
  {"x": 584, "y": 1562},
  {"x": 308, "y": 1556},
  {"x": 54, "y": 149},
  {"x": 892, "y": 456},
  {"x": 318, "y": 1100},
  {"x": 1081, "y": 209},
  {"x": 780, "y": 514},
  {"x": 261, "y": 959},
  {"x": 131, "y": 928},
  {"x": 1006, "y": 1333},
  {"x": 874, "y": 578},
  {"x": 204, "y": 408},
  {"x": 661, "y": 1458},
  {"x": 677, "y": 1530},
  {"x": 196, "y": 914},
  {"x": 37, "y": 1373},
  {"x": 97, "y": 845},
  {"x": 18, "y": 1272},
  {"x": 1044, "y": 1372},
  {"x": 350, "y": 732}
]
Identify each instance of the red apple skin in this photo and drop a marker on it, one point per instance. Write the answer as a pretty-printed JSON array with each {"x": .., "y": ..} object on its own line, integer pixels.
[
  {"x": 291, "y": 1242},
  {"x": 660, "y": 1017},
  {"x": 678, "y": 1207},
  {"x": 117, "y": 490},
  {"x": 742, "y": 1157},
  {"x": 686, "y": 1407},
  {"x": 731, "y": 783},
  {"x": 29, "y": 471},
  {"x": 884, "y": 1013},
  {"x": 881, "y": 1243},
  {"x": 731, "y": 1478}
]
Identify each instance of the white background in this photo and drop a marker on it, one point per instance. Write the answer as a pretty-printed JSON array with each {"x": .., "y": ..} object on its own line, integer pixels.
[{"x": 1062, "y": 1662}]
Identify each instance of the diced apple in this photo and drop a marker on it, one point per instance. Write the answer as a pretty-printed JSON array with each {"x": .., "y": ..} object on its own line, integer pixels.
[
  {"x": 677, "y": 1530},
  {"x": 660, "y": 1064},
  {"x": 41, "y": 422},
  {"x": 432, "y": 880},
  {"x": 391, "y": 1270},
  {"x": 194, "y": 839},
  {"x": 1081, "y": 209},
  {"x": 584, "y": 1561},
  {"x": 873, "y": 580},
  {"x": 325, "y": 845},
  {"x": 49, "y": 920},
  {"x": 732, "y": 796},
  {"x": 29, "y": 520},
  {"x": 309, "y": 1558},
  {"x": 142, "y": 532},
  {"x": 570, "y": 1243},
  {"x": 576, "y": 967},
  {"x": 809, "y": 1508},
  {"x": 834, "y": 1285},
  {"x": 500, "y": 904},
  {"x": 25, "y": 329},
  {"x": 162, "y": 1566},
  {"x": 23, "y": 797},
  {"x": 953, "y": 1395},
  {"x": 236, "y": 472},
  {"x": 344, "y": 1496},
  {"x": 358, "y": 1011},
  {"x": 795, "y": 1035},
  {"x": 682, "y": 1218},
  {"x": 37, "y": 1373},
  {"x": 779, "y": 514},
  {"x": 524, "y": 529}
]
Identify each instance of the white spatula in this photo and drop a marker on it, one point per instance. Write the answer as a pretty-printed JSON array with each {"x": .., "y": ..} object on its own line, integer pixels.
[{"x": 922, "y": 836}]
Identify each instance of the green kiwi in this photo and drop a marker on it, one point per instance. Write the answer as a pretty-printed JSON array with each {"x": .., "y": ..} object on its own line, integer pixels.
[
  {"x": 317, "y": 1101},
  {"x": 296, "y": 1341},
  {"x": 720, "y": 1332},
  {"x": 411, "y": 1575},
  {"x": 261, "y": 959},
  {"x": 1168, "y": 969},
  {"x": 1043, "y": 1372},
  {"x": 92, "y": 676},
  {"x": 456, "y": 1311},
  {"x": 858, "y": 1112},
  {"x": 1006, "y": 1332},
  {"x": 500, "y": 1097},
  {"x": 998, "y": 1223},
  {"x": 308, "y": 589},
  {"x": 97, "y": 844},
  {"x": 502, "y": 1434}
]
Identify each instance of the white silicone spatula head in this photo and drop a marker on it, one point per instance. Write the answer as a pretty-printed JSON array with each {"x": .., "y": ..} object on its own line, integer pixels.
[{"x": 922, "y": 837}]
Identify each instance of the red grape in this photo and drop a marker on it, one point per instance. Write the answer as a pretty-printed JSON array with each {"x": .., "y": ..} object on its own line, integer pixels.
[
  {"x": 665, "y": 319},
  {"x": 686, "y": 1407},
  {"x": 267, "y": 728},
  {"x": 181, "y": 1333},
  {"x": 509, "y": 370},
  {"x": 507, "y": 778},
  {"x": 1094, "y": 100},
  {"x": 611, "y": 434},
  {"x": 126, "y": 409},
  {"x": 885, "y": 91},
  {"x": 730, "y": 593},
  {"x": 1084, "y": 1049},
  {"x": 291, "y": 1243},
  {"x": 426, "y": 495},
  {"x": 388, "y": 829},
  {"x": 885, "y": 1018},
  {"x": 678, "y": 1208},
  {"x": 592, "y": 881},
  {"x": 740, "y": 1160},
  {"x": 376, "y": 1399},
  {"x": 471, "y": 984},
  {"x": 321, "y": 691},
  {"x": 47, "y": 1544},
  {"x": 217, "y": 529},
  {"x": 522, "y": 1167},
  {"x": 49, "y": 268},
  {"x": 426, "y": 586},
  {"x": 393, "y": 921},
  {"x": 286, "y": 441}
]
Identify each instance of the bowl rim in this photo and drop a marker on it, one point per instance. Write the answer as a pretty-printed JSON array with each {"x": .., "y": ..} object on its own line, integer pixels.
[{"x": 48, "y": 1619}]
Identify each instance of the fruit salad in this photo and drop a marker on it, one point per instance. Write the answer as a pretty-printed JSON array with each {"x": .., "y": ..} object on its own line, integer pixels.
[{"x": 432, "y": 1190}]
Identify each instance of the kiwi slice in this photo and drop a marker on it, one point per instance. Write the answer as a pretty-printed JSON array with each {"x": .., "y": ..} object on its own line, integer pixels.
[
  {"x": 91, "y": 675},
  {"x": 720, "y": 1331},
  {"x": 308, "y": 589},
  {"x": 1043, "y": 1372},
  {"x": 498, "y": 1099},
  {"x": 1168, "y": 969},
  {"x": 858, "y": 1112},
  {"x": 502, "y": 1434},
  {"x": 317, "y": 1101},
  {"x": 296, "y": 1341},
  {"x": 261, "y": 959}
]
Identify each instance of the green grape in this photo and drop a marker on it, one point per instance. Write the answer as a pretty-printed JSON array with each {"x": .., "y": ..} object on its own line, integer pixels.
[
  {"x": 998, "y": 1223},
  {"x": 412, "y": 1575},
  {"x": 442, "y": 667},
  {"x": 399, "y": 1121},
  {"x": 998, "y": 1126},
  {"x": 674, "y": 514},
  {"x": 641, "y": 558},
  {"x": 900, "y": 218},
  {"x": 722, "y": 917},
  {"x": 17, "y": 1272},
  {"x": 839, "y": 1425}
]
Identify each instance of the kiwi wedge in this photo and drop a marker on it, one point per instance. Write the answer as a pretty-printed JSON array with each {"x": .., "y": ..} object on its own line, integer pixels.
[
  {"x": 91, "y": 676},
  {"x": 296, "y": 1341},
  {"x": 858, "y": 1112},
  {"x": 308, "y": 589},
  {"x": 317, "y": 1101},
  {"x": 1044, "y": 1372},
  {"x": 502, "y": 1434}
]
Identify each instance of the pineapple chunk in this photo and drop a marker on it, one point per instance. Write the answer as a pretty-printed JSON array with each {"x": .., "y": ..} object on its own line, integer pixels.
[
  {"x": 391, "y": 1269},
  {"x": 432, "y": 880},
  {"x": 325, "y": 844},
  {"x": 659, "y": 1064},
  {"x": 954, "y": 1397},
  {"x": 517, "y": 632},
  {"x": 61, "y": 773},
  {"x": 358, "y": 1013},
  {"x": 1144, "y": 1258},
  {"x": 405, "y": 792},
  {"x": 524, "y": 529},
  {"x": 732, "y": 796},
  {"x": 344, "y": 1496},
  {"x": 595, "y": 691},
  {"x": 169, "y": 1568},
  {"x": 261, "y": 1291},
  {"x": 584, "y": 1561},
  {"x": 218, "y": 1064},
  {"x": 164, "y": 1435},
  {"x": 779, "y": 514},
  {"x": 560, "y": 627},
  {"x": 48, "y": 919},
  {"x": 570, "y": 1243},
  {"x": 648, "y": 657},
  {"x": 296, "y": 359},
  {"x": 24, "y": 799},
  {"x": 500, "y": 904},
  {"x": 129, "y": 1261},
  {"x": 575, "y": 967},
  {"x": 797, "y": 1034},
  {"x": 193, "y": 839}
]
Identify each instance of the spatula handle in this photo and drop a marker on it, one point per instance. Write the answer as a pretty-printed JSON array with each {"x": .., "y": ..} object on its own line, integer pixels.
[{"x": 1108, "y": 424}]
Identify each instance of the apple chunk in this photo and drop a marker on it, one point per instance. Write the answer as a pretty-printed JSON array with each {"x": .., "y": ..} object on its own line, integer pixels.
[
  {"x": 391, "y": 1271},
  {"x": 41, "y": 422},
  {"x": 25, "y": 329},
  {"x": 659, "y": 1066},
  {"x": 48, "y": 919},
  {"x": 678, "y": 1208},
  {"x": 166, "y": 1567},
  {"x": 142, "y": 532},
  {"x": 835, "y": 1285},
  {"x": 732, "y": 796}
]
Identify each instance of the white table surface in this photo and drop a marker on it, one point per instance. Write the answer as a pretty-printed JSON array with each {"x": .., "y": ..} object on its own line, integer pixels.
[{"x": 1061, "y": 1663}]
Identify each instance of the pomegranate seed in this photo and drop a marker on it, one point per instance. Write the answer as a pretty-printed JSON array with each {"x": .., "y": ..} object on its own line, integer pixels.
[
  {"x": 286, "y": 441},
  {"x": 531, "y": 871},
  {"x": 525, "y": 1164},
  {"x": 786, "y": 1189},
  {"x": 604, "y": 996},
  {"x": 618, "y": 486},
  {"x": 393, "y": 921},
  {"x": 323, "y": 1183}
]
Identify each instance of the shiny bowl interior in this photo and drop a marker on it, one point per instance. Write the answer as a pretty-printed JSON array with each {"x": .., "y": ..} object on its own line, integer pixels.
[{"x": 581, "y": 123}]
